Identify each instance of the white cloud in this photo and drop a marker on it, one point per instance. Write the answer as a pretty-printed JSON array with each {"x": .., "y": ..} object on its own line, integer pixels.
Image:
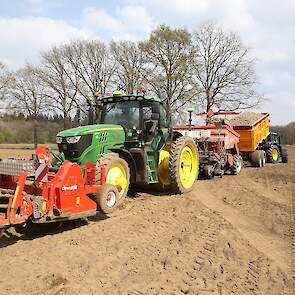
[
  {"x": 268, "y": 26},
  {"x": 37, "y": 7},
  {"x": 281, "y": 106},
  {"x": 99, "y": 19},
  {"x": 23, "y": 38},
  {"x": 128, "y": 22}
]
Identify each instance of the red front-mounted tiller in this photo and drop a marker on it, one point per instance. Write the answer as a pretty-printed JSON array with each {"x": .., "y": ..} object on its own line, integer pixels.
[{"x": 31, "y": 191}]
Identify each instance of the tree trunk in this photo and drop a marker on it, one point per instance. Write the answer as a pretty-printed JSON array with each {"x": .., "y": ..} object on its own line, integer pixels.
[{"x": 35, "y": 135}]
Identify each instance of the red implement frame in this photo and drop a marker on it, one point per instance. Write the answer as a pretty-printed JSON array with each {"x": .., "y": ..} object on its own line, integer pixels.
[{"x": 64, "y": 195}]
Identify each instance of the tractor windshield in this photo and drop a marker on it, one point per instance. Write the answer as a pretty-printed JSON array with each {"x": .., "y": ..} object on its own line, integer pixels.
[{"x": 124, "y": 113}]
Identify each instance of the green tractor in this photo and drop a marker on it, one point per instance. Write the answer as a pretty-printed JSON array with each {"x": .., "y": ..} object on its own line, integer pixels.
[
  {"x": 274, "y": 149},
  {"x": 135, "y": 144}
]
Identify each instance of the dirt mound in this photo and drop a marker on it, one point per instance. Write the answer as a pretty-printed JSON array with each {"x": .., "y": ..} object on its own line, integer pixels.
[
  {"x": 229, "y": 236},
  {"x": 246, "y": 119}
]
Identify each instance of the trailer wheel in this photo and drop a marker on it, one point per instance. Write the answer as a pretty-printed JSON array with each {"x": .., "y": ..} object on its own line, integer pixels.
[
  {"x": 284, "y": 155},
  {"x": 256, "y": 158},
  {"x": 237, "y": 165},
  {"x": 273, "y": 154},
  {"x": 263, "y": 158},
  {"x": 117, "y": 172},
  {"x": 183, "y": 164},
  {"x": 107, "y": 198}
]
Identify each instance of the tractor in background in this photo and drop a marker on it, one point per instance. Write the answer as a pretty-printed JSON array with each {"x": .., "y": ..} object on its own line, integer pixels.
[
  {"x": 133, "y": 143},
  {"x": 257, "y": 144},
  {"x": 274, "y": 150}
]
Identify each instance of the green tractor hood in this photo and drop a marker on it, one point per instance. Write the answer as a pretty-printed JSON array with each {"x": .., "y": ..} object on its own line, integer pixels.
[
  {"x": 89, "y": 129},
  {"x": 88, "y": 143}
]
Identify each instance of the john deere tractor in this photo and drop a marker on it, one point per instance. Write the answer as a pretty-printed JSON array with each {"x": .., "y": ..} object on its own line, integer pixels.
[
  {"x": 134, "y": 142},
  {"x": 274, "y": 149}
]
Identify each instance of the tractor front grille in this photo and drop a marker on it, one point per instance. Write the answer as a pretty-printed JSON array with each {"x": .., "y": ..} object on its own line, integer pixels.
[{"x": 75, "y": 150}]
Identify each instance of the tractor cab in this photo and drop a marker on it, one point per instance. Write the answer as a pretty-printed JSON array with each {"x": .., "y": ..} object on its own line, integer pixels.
[
  {"x": 146, "y": 129},
  {"x": 141, "y": 117},
  {"x": 274, "y": 138}
]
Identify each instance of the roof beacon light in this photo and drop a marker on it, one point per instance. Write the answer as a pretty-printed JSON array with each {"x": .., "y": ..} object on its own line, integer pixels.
[{"x": 117, "y": 93}]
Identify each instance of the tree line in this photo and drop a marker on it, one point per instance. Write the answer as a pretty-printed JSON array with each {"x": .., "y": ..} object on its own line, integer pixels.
[
  {"x": 287, "y": 133},
  {"x": 207, "y": 68}
]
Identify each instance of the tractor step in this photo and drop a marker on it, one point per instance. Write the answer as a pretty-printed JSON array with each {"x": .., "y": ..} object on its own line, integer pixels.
[{"x": 153, "y": 175}]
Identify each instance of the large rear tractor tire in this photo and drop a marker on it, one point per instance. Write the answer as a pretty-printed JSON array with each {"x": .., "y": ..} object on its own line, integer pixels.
[
  {"x": 284, "y": 155},
  {"x": 237, "y": 165},
  {"x": 273, "y": 154},
  {"x": 107, "y": 198},
  {"x": 257, "y": 158},
  {"x": 183, "y": 164},
  {"x": 117, "y": 173}
]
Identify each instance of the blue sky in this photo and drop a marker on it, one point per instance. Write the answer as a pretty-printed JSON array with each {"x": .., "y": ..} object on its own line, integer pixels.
[{"x": 267, "y": 26}]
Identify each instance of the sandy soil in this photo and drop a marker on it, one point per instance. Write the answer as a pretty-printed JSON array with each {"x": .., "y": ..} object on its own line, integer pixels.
[
  {"x": 231, "y": 235},
  {"x": 24, "y": 151}
]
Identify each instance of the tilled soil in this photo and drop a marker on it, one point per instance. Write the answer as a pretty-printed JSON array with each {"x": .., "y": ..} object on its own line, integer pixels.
[{"x": 231, "y": 235}]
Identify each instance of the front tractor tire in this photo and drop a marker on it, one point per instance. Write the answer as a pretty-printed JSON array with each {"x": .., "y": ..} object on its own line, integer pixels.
[
  {"x": 107, "y": 198},
  {"x": 183, "y": 165},
  {"x": 117, "y": 173},
  {"x": 273, "y": 154}
]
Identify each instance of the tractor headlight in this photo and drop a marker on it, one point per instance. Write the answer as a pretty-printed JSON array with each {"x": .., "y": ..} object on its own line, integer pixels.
[
  {"x": 73, "y": 139},
  {"x": 58, "y": 140}
]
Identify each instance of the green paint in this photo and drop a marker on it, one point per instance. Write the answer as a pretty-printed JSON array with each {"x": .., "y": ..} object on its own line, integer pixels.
[
  {"x": 89, "y": 129},
  {"x": 105, "y": 137}
]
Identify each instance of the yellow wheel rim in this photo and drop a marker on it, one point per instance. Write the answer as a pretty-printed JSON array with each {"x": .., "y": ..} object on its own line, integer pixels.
[
  {"x": 275, "y": 154},
  {"x": 163, "y": 166},
  {"x": 188, "y": 166},
  {"x": 117, "y": 177}
]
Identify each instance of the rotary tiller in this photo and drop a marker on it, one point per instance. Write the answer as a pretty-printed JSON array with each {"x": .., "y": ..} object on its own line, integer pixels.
[{"x": 33, "y": 191}]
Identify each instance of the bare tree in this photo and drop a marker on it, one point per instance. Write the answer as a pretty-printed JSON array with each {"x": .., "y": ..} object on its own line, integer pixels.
[
  {"x": 167, "y": 69},
  {"x": 28, "y": 96},
  {"x": 61, "y": 80},
  {"x": 6, "y": 79},
  {"x": 224, "y": 70},
  {"x": 92, "y": 62},
  {"x": 129, "y": 57}
]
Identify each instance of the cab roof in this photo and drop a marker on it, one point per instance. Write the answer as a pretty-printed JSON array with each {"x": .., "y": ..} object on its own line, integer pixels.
[{"x": 127, "y": 97}]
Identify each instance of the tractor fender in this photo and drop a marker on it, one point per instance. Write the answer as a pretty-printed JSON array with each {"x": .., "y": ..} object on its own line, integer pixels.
[
  {"x": 176, "y": 134},
  {"x": 126, "y": 155}
]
